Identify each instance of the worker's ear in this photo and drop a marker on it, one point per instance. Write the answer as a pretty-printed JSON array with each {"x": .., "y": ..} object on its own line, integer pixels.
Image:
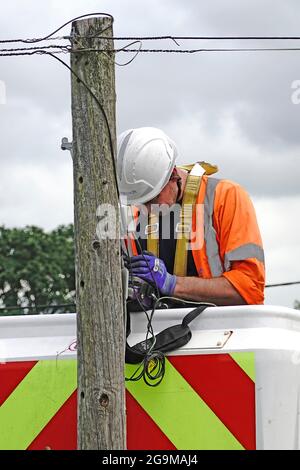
[{"x": 175, "y": 176}]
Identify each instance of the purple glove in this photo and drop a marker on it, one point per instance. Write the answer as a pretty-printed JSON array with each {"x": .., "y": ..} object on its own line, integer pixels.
[{"x": 152, "y": 269}]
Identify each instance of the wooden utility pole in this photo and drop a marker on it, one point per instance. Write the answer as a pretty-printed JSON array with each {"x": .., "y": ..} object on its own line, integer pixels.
[{"x": 100, "y": 321}]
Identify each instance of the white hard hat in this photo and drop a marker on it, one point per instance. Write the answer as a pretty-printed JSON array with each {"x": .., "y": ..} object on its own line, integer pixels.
[{"x": 146, "y": 159}]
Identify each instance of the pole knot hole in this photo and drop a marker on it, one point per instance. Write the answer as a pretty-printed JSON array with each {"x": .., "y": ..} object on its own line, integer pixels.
[
  {"x": 104, "y": 400},
  {"x": 95, "y": 244}
]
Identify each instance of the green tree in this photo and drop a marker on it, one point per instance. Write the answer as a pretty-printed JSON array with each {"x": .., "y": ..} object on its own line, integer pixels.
[
  {"x": 36, "y": 268},
  {"x": 297, "y": 304}
]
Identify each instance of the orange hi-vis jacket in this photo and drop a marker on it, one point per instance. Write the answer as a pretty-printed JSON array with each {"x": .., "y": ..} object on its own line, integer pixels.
[{"x": 225, "y": 238}]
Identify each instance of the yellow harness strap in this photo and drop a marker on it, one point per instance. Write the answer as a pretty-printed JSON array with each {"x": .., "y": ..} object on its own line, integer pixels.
[
  {"x": 152, "y": 232},
  {"x": 184, "y": 227}
]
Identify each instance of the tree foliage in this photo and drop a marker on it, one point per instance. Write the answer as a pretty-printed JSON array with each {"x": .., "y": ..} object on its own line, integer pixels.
[
  {"x": 297, "y": 304},
  {"x": 36, "y": 268}
]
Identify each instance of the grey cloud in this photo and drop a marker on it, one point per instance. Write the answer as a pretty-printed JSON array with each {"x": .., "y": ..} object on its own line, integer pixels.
[
  {"x": 235, "y": 18},
  {"x": 162, "y": 89},
  {"x": 29, "y": 134}
]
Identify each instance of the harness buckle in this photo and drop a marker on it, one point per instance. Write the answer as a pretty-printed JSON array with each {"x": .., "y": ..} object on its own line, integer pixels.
[
  {"x": 183, "y": 227},
  {"x": 151, "y": 228}
]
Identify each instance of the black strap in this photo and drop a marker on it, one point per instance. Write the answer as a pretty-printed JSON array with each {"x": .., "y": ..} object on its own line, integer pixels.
[
  {"x": 193, "y": 314},
  {"x": 167, "y": 340}
]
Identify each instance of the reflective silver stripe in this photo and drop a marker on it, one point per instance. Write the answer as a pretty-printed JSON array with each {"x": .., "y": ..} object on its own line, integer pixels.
[
  {"x": 249, "y": 250},
  {"x": 212, "y": 248},
  {"x": 121, "y": 154}
]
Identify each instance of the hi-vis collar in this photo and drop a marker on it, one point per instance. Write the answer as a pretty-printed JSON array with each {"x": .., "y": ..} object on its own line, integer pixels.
[{"x": 184, "y": 227}]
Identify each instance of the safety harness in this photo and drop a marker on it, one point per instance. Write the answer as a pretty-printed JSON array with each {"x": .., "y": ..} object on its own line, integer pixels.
[
  {"x": 175, "y": 336},
  {"x": 184, "y": 227}
]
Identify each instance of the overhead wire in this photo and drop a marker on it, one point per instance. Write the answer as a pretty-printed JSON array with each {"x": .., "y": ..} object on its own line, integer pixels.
[
  {"x": 197, "y": 38},
  {"x": 138, "y": 39},
  {"x": 132, "y": 59},
  {"x": 49, "y": 36},
  {"x": 282, "y": 284},
  {"x": 68, "y": 49},
  {"x": 194, "y": 51},
  {"x": 149, "y": 38}
]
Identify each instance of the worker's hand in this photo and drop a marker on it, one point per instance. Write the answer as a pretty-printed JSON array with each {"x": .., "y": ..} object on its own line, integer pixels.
[{"x": 152, "y": 269}]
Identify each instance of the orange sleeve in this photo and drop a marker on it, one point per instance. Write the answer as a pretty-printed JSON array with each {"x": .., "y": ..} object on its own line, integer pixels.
[{"x": 239, "y": 241}]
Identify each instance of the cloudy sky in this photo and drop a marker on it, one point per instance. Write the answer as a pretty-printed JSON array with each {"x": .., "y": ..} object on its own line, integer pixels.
[{"x": 232, "y": 108}]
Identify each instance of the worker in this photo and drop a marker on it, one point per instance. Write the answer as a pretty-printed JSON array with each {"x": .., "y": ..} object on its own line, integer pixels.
[{"x": 214, "y": 252}]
